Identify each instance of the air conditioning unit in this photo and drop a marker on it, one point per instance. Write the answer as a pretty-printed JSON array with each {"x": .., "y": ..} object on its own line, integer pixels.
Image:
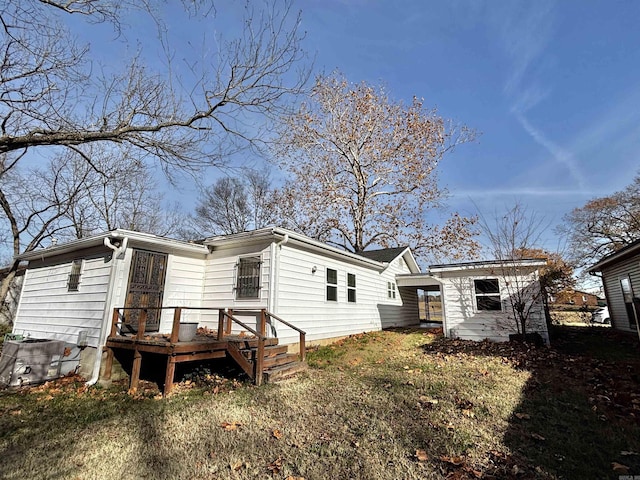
[{"x": 30, "y": 361}]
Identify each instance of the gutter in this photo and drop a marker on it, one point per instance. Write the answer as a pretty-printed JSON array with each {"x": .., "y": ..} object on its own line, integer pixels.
[{"x": 118, "y": 252}]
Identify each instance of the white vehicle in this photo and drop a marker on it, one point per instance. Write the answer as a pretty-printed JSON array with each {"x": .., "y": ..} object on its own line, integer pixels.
[{"x": 601, "y": 315}]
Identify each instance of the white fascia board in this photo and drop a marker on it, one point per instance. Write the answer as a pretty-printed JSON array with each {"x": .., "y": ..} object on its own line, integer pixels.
[
  {"x": 459, "y": 267},
  {"x": 417, "y": 280},
  {"x": 411, "y": 260},
  {"x": 625, "y": 252},
  {"x": 135, "y": 238},
  {"x": 287, "y": 236}
]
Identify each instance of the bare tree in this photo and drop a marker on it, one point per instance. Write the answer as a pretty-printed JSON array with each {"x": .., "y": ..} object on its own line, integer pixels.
[
  {"x": 125, "y": 197},
  {"x": 51, "y": 97},
  {"x": 234, "y": 204},
  {"x": 363, "y": 171},
  {"x": 53, "y": 100},
  {"x": 35, "y": 204},
  {"x": 603, "y": 225},
  {"x": 223, "y": 208},
  {"x": 512, "y": 242}
]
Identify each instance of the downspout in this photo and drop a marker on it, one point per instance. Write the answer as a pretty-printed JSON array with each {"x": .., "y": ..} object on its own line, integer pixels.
[
  {"x": 106, "y": 320},
  {"x": 273, "y": 275}
]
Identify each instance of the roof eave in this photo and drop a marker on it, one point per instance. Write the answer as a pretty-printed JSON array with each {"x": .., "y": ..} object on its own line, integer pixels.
[
  {"x": 614, "y": 257},
  {"x": 139, "y": 238}
]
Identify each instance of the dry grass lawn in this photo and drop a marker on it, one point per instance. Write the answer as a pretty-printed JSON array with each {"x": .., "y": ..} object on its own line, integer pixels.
[{"x": 390, "y": 405}]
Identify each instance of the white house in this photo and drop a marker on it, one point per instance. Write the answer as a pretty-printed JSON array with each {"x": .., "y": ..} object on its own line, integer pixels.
[
  {"x": 70, "y": 290},
  {"x": 620, "y": 274}
]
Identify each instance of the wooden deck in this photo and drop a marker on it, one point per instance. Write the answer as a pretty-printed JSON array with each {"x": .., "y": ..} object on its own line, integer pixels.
[{"x": 258, "y": 356}]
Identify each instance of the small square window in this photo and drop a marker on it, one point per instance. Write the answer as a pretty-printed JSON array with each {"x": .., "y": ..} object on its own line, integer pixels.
[
  {"x": 74, "y": 276},
  {"x": 487, "y": 294},
  {"x": 391, "y": 290}
]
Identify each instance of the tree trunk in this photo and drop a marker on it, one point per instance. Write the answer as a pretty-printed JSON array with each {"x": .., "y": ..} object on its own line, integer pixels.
[{"x": 6, "y": 283}]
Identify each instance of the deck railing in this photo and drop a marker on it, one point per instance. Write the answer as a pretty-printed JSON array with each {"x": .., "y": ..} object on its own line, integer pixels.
[{"x": 226, "y": 319}]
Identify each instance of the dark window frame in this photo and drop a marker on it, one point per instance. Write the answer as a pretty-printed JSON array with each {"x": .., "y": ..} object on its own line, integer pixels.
[
  {"x": 331, "y": 279},
  {"x": 73, "y": 282},
  {"x": 248, "y": 276},
  {"x": 351, "y": 288}
]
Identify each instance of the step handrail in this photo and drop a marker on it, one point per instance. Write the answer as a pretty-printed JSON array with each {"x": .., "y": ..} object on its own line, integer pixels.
[
  {"x": 302, "y": 333},
  {"x": 259, "y": 362}
]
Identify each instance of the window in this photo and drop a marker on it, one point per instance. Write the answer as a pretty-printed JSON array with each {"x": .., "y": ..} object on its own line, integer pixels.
[
  {"x": 391, "y": 290},
  {"x": 627, "y": 296},
  {"x": 74, "y": 276},
  {"x": 351, "y": 287},
  {"x": 248, "y": 280},
  {"x": 488, "y": 294},
  {"x": 332, "y": 285}
]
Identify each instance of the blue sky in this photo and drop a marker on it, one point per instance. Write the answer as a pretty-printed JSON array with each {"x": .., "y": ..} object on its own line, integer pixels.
[{"x": 551, "y": 86}]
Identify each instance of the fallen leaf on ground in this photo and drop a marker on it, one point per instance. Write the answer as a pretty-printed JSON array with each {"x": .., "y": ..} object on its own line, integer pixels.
[
  {"x": 421, "y": 455},
  {"x": 291, "y": 477},
  {"x": 523, "y": 416},
  {"x": 452, "y": 460},
  {"x": 619, "y": 468},
  {"x": 236, "y": 466},
  {"x": 230, "y": 426},
  {"x": 277, "y": 434},
  {"x": 275, "y": 466},
  {"x": 535, "y": 436}
]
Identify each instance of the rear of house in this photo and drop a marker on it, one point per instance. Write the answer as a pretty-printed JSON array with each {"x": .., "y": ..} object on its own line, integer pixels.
[
  {"x": 620, "y": 274},
  {"x": 70, "y": 291}
]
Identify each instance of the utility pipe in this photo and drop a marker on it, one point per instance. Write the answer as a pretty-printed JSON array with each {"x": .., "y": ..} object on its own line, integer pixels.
[{"x": 106, "y": 320}]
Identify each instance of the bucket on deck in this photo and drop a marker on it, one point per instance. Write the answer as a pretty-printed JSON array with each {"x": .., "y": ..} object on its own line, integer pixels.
[{"x": 187, "y": 331}]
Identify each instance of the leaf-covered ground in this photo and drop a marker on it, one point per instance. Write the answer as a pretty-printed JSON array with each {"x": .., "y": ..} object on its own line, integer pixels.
[{"x": 396, "y": 404}]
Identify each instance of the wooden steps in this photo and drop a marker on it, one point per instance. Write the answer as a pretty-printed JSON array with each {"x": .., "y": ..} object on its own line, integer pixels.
[
  {"x": 277, "y": 363},
  {"x": 284, "y": 371}
]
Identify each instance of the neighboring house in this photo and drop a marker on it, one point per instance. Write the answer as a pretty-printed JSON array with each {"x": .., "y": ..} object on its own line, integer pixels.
[
  {"x": 620, "y": 274},
  {"x": 575, "y": 297},
  {"x": 70, "y": 291}
]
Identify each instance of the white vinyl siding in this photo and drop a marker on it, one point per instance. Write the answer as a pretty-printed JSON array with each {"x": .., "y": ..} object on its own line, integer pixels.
[
  {"x": 48, "y": 310},
  {"x": 183, "y": 288},
  {"x": 629, "y": 268},
  {"x": 301, "y": 297},
  {"x": 220, "y": 277},
  {"x": 464, "y": 320}
]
